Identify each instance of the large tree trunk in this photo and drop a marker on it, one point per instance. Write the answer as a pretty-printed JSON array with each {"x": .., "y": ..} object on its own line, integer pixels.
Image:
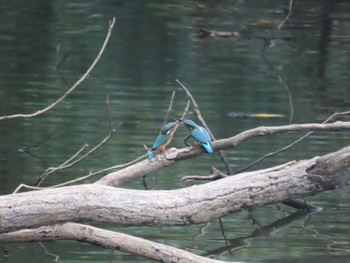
[{"x": 192, "y": 205}]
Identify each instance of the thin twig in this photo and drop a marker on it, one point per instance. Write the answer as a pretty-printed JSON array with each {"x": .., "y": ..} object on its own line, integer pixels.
[
  {"x": 166, "y": 117},
  {"x": 25, "y": 149},
  {"x": 214, "y": 175},
  {"x": 91, "y": 174},
  {"x": 271, "y": 36},
  {"x": 109, "y": 116},
  {"x": 290, "y": 98},
  {"x": 61, "y": 62},
  {"x": 183, "y": 114},
  {"x": 69, "y": 163},
  {"x": 120, "y": 166},
  {"x": 57, "y": 258},
  {"x": 186, "y": 109},
  {"x": 201, "y": 119},
  {"x": 64, "y": 165},
  {"x": 27, "y": 187},
  {"x": 35, "y": 156},
  {"x": 288, "y": 15},
  {"x": 111, "y": 25}
]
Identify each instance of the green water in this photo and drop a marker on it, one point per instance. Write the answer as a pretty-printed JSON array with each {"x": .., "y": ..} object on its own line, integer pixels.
[{"x": 153, "y": 43}]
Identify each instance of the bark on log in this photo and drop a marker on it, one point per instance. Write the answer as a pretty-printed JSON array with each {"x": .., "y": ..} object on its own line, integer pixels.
[
  {"x": 106, "y": 239},
  {"x": 192, "y": 205}
]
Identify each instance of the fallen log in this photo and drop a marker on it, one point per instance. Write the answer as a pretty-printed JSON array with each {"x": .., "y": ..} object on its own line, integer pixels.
[
  {"x": 191, "y": 205},
  {"x": 106, "y": 239}
]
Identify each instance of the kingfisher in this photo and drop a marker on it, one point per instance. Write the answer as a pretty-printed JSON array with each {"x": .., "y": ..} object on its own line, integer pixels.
[
  {"x": 164, "y": 138},
  {"x": 199, "y": 133}
]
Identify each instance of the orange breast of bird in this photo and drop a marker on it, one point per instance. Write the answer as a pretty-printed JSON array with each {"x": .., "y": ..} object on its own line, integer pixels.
[{"x": 162, "y": 147}]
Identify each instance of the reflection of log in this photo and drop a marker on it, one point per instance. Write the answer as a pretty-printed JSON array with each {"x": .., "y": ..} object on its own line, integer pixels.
[
  {"x": 265, "y": 231},
  {"x": 192, "y": 205}
]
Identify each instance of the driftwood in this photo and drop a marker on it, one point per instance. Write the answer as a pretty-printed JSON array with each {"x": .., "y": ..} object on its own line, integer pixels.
[
  {"x": 50, "y": 214},
  {"x": 192, "y": 205}
]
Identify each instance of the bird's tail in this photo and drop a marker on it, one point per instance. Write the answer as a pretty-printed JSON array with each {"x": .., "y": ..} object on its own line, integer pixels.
[
  {"x": 151, "y": 153},
  {"x": 207, "y": 147}
]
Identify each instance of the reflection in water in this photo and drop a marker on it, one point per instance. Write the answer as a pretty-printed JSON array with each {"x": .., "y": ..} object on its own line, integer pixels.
[
  {"x": 302, "y": 74},
  {"x": 260, "y": 232}
]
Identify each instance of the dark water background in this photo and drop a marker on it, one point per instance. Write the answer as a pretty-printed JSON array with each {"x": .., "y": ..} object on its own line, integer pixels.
[{"x": 306, "y": 64}]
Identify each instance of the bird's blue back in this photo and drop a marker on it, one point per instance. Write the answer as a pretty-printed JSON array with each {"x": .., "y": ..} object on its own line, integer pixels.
[
  {"x": 161, "y": 139},
  {"x": 200, "y": 134}
]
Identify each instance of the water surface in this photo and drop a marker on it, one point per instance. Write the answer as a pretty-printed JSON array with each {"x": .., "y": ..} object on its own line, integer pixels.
[{"x": 305, "y": 64}]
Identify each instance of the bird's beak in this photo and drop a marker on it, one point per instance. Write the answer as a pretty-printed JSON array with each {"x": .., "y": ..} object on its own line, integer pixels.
[{"x": 180, "y": 120}]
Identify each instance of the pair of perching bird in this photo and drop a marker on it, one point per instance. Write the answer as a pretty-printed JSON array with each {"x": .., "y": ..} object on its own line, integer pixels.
[{"x": 199, "y": 134}]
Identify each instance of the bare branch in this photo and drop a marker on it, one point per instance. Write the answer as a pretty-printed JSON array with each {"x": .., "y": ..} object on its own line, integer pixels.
[
  {"x": 140, "y": 169},
  {"x": 111, "y": 25},
  {"x": 91, "y": 174},
  {"x": 169, "y": 108},
  {"x": 288, "y": 15},
  {"x": 273, "y": 130},
  {"x": 271, "y": 36},
  {"x": 201, "y": 119},
  {"x": 215, "y": 175},
  {"x": 27, "y": 187},
  {"x": 290, "y": 145},
  {"x": 186, "y": 110},
  {"x": 290, "y": 98},
  {"x": 68, "y": 164},
  {"x": 99, "y": 172},
  {"x": 64, "y": 165}
]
